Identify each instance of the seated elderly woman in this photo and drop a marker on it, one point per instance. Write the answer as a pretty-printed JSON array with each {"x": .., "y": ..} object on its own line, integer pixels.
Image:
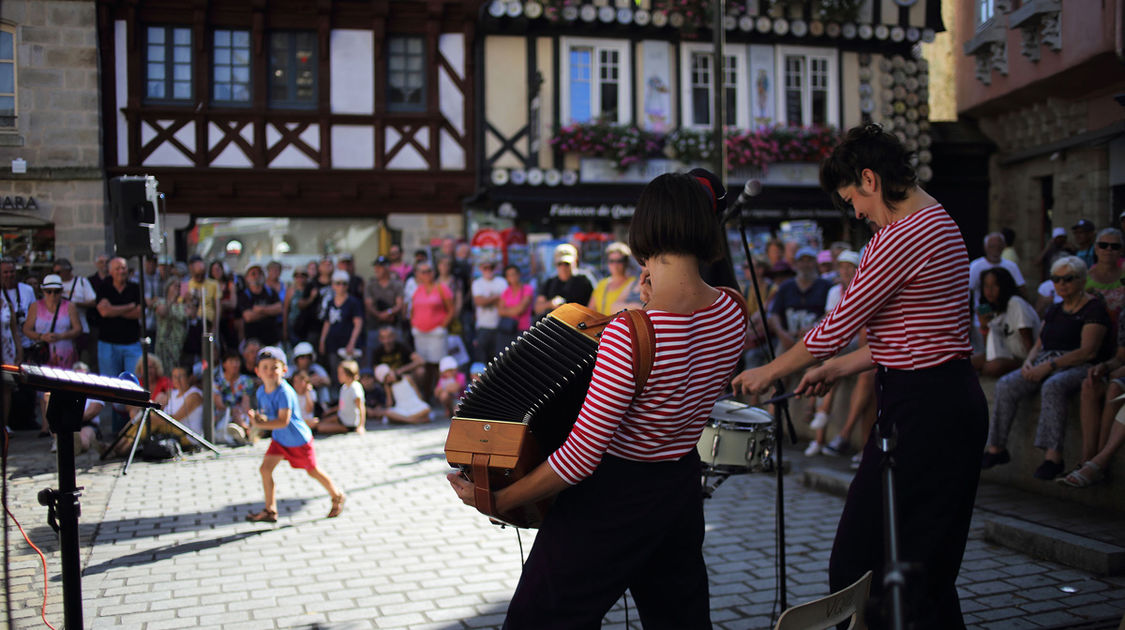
[
  {"x": 1009, "y": 324},
  {"x": 1068, "y": 344}
]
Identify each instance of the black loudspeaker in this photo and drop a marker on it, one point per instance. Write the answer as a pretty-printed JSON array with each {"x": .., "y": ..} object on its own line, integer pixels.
[{"x": 133, "y": 217}]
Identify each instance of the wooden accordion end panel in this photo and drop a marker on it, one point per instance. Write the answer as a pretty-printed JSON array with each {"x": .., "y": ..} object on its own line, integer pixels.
[{"x": 524, "y": 405}]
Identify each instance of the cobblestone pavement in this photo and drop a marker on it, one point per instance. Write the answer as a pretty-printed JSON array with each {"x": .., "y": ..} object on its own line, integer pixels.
[{"x": 166, "y": 547}]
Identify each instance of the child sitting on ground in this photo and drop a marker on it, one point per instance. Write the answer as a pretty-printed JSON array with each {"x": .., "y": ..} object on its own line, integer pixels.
[
  {"x": 306, "y": 397},
  {"x": 374, "y": 397},
  {"x": 450, "y": 384},
  {"x": 405, "y": 402},
  {"x": 279, "y": 411},
  {"x": 351, "y": 413}
]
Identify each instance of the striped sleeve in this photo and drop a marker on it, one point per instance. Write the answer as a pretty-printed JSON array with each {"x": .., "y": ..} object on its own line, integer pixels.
[
  {"x": 885, "y": 268},
  {"x": 612, "y": 387}
]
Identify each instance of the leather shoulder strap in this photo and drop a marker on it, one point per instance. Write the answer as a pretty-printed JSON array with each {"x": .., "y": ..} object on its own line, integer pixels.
[{"x": 643, "y": 338}]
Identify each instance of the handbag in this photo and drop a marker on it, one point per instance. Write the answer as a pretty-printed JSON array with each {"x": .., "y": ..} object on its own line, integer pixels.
[{"x": 40, "y": 352}]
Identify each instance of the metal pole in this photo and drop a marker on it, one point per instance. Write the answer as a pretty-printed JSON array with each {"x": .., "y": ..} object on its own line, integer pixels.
[
  {"x": 208, "y": 358},
  {"x": 718, "y": 118},
  {"x": 63, "y": 412}
]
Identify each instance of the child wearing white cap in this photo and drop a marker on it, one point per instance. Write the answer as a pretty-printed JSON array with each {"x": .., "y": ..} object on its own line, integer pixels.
[{"x": 450, "y": 384}]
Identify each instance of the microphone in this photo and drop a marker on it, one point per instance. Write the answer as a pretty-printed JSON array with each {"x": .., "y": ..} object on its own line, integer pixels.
[{"x": 753, "y": 188}]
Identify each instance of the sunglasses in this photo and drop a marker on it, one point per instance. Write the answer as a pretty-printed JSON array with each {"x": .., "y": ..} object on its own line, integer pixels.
[
  {"x": 617, "y": 260},
  {"x": 51, "y": 291},
  {"x": 344, "y": 284},
  {"x": 1066, "y": 278},
  {"x": 1113, "y": 246}
]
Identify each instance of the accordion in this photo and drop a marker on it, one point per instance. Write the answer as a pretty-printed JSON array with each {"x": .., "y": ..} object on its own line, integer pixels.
[{"x": 526, "y": 401}]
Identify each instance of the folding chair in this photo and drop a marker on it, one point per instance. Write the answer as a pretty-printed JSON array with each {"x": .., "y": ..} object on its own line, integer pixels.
[{"x": 826, "y": 612}]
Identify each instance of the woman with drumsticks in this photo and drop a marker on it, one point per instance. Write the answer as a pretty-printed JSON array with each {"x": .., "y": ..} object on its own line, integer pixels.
[
  {"x": 911, "y": 292},
  {"x": 627, "y": 477}
]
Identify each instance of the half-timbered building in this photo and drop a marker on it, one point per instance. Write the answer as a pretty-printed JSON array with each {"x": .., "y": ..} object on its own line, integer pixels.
[
  {"x": 582, "y": 102},
  {"x": 307, "y": 111}
]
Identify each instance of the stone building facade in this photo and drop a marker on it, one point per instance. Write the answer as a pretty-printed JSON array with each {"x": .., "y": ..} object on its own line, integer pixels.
[
  {"x": 1043, "y": 81},
  {"x": 57, "y": 207}
]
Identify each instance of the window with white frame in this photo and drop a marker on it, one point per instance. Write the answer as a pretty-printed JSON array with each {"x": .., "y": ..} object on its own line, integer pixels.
[
  {"x": 698, "y": 84},
  {"x": 985, "y": 10},
  {"x": 231, "y": 66},
  {"x": 406, "y": 73},
  {"x": 809, "y": 93},
  {"x": 595, "y": 80},
  {"x": 168, "y": 63},
  {"x": 292, "y": 80},
  {"x": 7, "y": 76}
]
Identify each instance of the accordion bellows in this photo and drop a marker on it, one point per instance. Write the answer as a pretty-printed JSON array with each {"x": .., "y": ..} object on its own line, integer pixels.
[{"x": 525, "y": 403}]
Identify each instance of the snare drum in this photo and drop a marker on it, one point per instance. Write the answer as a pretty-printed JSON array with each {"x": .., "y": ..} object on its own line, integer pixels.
[{"x": 738, "y": 438}]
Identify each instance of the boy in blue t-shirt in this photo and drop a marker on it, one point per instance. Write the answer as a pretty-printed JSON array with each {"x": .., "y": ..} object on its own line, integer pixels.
[{"x": 279, "y": 411}]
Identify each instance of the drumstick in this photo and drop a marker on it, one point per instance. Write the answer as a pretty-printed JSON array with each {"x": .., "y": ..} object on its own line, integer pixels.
[{"x": 780, "y": 398}]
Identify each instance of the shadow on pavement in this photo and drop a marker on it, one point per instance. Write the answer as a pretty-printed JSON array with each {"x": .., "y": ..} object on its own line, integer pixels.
[
  {"x": 149, "y": 556},
  {"x": 111, "y": 531}
]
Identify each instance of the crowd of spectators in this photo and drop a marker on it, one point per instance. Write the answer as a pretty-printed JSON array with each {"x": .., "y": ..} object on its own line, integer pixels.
[
  {"x": 1072, "y": 341},
  {"x": 410, "y": 335}
]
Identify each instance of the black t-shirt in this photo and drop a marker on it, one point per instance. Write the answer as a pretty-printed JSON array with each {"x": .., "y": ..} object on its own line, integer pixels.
[
  {"x": 266, "y": 329},
  {"x": 1062, "y": 331},
  {"x": 797, "y": 309},
  {"x": 341, "y": 322},
  {"x": 310, "y": 320},
  {"x": 119, "y": 330},
  {"x": 396, "y": 357},
  {"x": 578, "y": 289}
]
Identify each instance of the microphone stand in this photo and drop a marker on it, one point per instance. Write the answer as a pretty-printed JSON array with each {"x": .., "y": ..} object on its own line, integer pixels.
[{"x": 780, "y": 411}]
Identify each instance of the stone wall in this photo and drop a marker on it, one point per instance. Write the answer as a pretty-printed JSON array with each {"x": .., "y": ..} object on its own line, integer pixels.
[
  {"x": 58, "y": 129},
  {"x": 1080, "y": 176}
]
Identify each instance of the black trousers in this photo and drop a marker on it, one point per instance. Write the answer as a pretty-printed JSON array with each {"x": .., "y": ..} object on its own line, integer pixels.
[
  {"x": 941, "y": 420},
  {"x": 630, "y": 525}
]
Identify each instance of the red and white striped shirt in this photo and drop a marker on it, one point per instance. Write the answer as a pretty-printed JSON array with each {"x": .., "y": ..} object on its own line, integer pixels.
[
  {"x": 695, "y": 358},
  {"x": 911, "y": 291}
]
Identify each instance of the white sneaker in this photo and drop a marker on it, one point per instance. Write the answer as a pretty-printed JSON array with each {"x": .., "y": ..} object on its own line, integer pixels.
[
  {"x": 819, "y": 421},
  {"x": 856, "y": 459},
  {"x": 236, "y": 433},
  {"x": 813, "y": 450}
]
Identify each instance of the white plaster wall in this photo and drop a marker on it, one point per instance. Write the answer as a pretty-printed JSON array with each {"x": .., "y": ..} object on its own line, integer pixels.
[
  {"x": 353, "y": 146},
  {"x": 352, "y": 71}
]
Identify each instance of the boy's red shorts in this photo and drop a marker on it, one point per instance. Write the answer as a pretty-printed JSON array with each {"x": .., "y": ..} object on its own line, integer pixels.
[{"x": 302, "y": 456}]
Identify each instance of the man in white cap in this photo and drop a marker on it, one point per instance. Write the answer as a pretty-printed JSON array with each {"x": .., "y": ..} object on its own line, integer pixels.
[
  {"x": 1055, "y": 247},
  {"x": 487, "y": 290},
  {"x": 993, "y": 257},
  {"x": 566, "y": 286},
  {"x": 343, "y": 322}
]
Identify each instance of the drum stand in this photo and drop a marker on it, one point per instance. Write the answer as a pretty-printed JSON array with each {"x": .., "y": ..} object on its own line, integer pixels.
[{"x": 894, "y": 575}]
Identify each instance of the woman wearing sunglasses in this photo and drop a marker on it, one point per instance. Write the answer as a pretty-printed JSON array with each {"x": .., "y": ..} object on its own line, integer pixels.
[
  {"x": 1068, "y": 344},
  {"x": 1104, "y": 277},
  {"x": 53, "y": 321}
]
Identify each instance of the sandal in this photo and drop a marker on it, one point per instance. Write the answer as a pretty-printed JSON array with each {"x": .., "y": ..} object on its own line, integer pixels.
[
  {"x": 1084, "y": 476},
  {"x": 337, "y": 505},
  {"x": 265, "y": 516}
]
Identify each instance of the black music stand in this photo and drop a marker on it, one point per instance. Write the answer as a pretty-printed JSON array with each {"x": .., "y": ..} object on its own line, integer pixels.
[
  {"x": 140, "y": 424},
  {"x": 64, "y": 416}
]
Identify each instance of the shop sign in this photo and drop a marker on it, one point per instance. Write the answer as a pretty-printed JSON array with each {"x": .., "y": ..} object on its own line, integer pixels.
[
  {"x": 603, "y": 171},
  {"x": 601, "y": 211},
  {"x": 17, "y": 202}
]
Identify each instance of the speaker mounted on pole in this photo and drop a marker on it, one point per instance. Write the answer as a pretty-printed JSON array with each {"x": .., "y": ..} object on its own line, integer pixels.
[{"x": 133, "y": 208}]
